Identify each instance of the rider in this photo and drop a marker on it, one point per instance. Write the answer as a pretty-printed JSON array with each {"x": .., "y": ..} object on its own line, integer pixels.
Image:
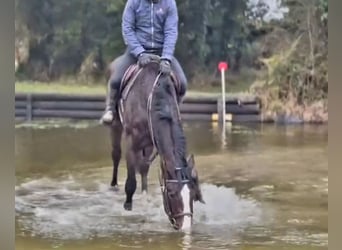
[{"x": 149, "y": 27}]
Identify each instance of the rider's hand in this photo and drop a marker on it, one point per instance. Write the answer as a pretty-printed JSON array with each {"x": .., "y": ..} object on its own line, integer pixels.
[
  {"x": 165, "y": 66},
  {"x": 144, "y": 59}
]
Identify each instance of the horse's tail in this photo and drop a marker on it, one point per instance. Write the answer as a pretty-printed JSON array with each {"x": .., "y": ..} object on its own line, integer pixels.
[{"x": 166, "y": 121}]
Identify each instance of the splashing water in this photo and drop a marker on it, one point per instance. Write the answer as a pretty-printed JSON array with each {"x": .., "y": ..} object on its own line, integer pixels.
[{"x": 69, "y": 210}]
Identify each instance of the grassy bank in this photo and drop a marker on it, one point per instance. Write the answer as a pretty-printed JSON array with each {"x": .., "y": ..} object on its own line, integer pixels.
[
  {"x": 59, "y": 88},
  {"x": 75, "y": 88}
]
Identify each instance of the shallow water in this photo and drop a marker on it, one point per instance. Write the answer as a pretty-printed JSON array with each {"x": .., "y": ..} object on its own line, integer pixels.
[{"x": 267, "y": 188}]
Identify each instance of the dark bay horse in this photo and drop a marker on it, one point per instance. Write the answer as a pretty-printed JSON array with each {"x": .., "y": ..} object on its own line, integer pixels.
[{"x": 150, "y": 119}]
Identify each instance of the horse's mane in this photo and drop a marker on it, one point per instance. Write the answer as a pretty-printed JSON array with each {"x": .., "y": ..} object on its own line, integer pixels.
[{"x": 165, "y": 115}]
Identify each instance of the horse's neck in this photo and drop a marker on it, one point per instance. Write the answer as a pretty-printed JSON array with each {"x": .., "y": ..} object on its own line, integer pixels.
[
  {"x": 172, "y": 143},
  {"x": 169, "y": 165}
]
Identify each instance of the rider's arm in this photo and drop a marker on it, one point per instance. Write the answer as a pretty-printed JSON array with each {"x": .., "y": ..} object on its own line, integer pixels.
[
  {"x": 170, "y": 31},
  {"x": 128, "y": 30}
]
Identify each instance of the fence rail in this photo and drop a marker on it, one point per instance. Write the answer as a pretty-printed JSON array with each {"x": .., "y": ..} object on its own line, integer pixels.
[{"x": 30, "y": 107}]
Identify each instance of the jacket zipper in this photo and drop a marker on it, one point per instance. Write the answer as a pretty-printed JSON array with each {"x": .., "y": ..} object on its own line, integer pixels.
[{"x": 152, "y": 25}]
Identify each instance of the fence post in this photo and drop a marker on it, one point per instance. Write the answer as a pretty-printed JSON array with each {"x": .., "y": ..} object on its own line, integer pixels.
[
  {"x": 223, "y": 66},
  {"x": 221, "y": 106},
  {"x": 220, "y": 110},
  {"x": 29, "y": 107}
]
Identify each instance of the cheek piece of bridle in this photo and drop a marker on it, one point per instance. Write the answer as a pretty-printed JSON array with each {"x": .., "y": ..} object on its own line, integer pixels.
[{"x": 183, "y": 178}]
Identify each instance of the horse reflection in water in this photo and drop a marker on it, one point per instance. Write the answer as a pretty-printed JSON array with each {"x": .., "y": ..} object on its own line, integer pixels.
[{"x": 150, "y": 118}]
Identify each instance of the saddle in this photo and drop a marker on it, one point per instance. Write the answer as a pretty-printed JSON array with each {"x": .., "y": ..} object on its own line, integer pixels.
[{"x": 130, "y": 76}]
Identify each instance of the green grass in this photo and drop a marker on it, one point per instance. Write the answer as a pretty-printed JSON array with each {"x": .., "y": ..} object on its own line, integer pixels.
[
  {"x": 59, "y": 88},
  {"x": 236, "y": 85},
  {"x": 91, "y": 89}
]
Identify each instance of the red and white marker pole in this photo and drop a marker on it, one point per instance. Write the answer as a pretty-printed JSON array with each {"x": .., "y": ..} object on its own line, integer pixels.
[{"x": 223, "y": 66}]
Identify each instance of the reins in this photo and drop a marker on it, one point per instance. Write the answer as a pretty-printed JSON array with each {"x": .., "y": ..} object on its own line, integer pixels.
[{"x": 162, "y": 180}]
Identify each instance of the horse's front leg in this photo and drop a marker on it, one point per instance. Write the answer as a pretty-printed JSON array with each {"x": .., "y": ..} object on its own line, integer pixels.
[
  {"x": 116, "y": 135},
  {"x": 131, "y": 182}
]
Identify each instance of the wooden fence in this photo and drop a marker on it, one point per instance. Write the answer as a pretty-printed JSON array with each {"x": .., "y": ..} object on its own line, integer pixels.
[{"x": 29, "y": 107}]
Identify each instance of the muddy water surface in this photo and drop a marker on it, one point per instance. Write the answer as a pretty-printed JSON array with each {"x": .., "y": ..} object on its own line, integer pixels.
[{"x": 266, "y": 189}]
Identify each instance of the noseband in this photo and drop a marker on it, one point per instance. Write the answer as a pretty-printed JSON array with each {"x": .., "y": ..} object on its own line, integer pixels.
[{"x": 167, "y": 207}]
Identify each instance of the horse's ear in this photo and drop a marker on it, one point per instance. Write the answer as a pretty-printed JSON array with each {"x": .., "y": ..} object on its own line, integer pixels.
[
  {"x": 194, "y": 176},
  {"x": 199, "y": 197},
  {"x": 191, "y": 164},
  {"x": 191, "y": 161}
]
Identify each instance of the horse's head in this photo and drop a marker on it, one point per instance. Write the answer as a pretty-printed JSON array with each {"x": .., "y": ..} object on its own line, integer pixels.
[{"x": 179, "y": 195}]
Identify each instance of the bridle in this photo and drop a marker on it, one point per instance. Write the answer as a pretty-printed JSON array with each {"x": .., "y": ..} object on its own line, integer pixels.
[
  {"x": 163, "y": 186},
  {"x": 180, "y": 171}
]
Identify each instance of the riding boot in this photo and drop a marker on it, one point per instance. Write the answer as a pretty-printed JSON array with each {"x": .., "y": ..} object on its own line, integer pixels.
[{"x": 111, "y": 106}]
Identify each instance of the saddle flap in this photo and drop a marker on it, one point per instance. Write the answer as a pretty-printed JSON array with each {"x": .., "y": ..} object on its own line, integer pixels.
[{"x": 129, "y": 73}]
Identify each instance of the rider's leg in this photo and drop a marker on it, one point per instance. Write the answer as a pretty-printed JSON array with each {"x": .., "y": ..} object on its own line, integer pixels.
[
  {"x": 118, "y": 68},
  {"x": 177, "y": 68}
]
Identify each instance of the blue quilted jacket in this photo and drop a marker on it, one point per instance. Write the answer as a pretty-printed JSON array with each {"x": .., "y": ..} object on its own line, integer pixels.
[{"x": 148, "y": 25}]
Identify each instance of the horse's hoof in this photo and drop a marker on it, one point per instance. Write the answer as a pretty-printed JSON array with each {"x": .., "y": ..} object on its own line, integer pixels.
[
  {"x": 128, "y": 206},
  {"x": 114, "y": 188}
]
